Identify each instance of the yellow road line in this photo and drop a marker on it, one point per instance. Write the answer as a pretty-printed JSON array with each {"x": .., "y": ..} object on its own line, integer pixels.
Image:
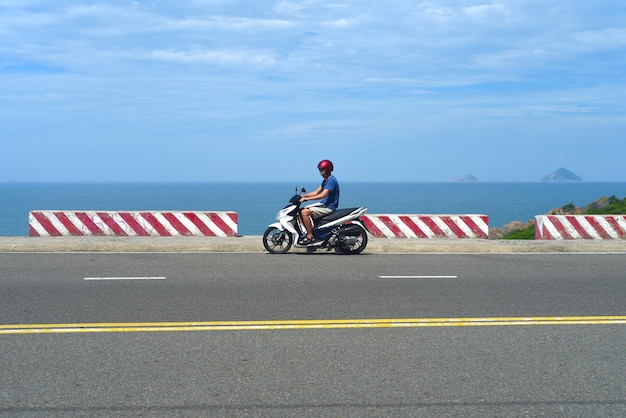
[{"x": 305, "y": 324}]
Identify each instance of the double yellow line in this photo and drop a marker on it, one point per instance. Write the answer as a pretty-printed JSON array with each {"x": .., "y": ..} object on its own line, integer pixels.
[{"x": 305, "y": 324}]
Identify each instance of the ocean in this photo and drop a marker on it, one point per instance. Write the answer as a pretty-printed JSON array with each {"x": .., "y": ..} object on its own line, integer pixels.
[{"x": 258, "y": 203}]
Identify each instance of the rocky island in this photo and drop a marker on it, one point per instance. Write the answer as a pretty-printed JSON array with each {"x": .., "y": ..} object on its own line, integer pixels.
[
  {"x": 561, "y": 175},
  {"x": 468, "y": 178}
]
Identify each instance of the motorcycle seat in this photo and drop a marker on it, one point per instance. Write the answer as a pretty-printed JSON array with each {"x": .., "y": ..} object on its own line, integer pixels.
[{"x": 339, "y": 213}]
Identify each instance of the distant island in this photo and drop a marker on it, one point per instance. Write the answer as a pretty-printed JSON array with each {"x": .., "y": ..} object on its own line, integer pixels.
[
  {"x": 468, "y": 178},
  {"x": 561, "y": 175}
]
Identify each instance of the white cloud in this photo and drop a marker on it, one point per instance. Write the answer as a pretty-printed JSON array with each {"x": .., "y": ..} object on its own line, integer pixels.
[
  {"x": 487, "y": 11},
  {"x": 304, "y": 68},
  {"x": 222, "y": 57},
  {"x": 601, "y": 40},
  {"x": 230, "y": 23}
]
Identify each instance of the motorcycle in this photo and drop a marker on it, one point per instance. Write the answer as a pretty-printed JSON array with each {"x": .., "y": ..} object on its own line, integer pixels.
[{"x": 341, "y": 230}]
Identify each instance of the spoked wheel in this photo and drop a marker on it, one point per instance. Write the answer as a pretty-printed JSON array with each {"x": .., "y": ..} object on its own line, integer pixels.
[
  {"x": 276, "y": 241},
  {"x": 354, "y": 243}
]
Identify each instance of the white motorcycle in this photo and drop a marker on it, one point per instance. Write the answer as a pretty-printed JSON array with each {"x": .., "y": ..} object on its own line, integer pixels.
[{"x": 341, "y": 230}]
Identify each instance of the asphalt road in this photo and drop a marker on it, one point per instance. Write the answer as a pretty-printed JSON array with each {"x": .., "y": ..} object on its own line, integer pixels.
[{"x": 311, "y": 335}]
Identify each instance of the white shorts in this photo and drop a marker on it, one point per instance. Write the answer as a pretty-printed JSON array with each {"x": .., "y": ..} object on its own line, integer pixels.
[{"x": 317, "y": 211}]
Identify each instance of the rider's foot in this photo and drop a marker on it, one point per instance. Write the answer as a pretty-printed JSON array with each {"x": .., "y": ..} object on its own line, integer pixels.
[{"x": 306, "y": 241}]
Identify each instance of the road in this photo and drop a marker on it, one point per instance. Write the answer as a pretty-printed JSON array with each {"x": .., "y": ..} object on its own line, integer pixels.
[{"x": 310, "y": 335}]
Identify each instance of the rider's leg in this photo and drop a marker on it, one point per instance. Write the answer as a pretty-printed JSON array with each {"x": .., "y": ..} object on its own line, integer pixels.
[{"x": 308, "y": 222}]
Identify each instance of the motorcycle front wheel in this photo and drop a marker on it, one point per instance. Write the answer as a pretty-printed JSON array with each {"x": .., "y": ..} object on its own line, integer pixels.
[
  {"x": 354, "y": 242},
  {"x": 276, "y": 241}
]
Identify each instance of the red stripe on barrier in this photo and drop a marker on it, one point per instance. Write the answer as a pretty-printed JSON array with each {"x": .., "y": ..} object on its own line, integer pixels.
[
  {"x": 130, "y": 220},
  {"x": 235, "y": 219},
  {"x": 372, "y": 227},
  {"x": 413, "y": 227},
  {"x": 433, "y": 226},
  {"x": 110, "y": 222},
  {"x": 612, "y": 220},
  {"x": 541, "y": 229},
  {"x": 204, "y": 229},
  {"x": 89, "y": 223},
  {"x": 395, "y": 230},
  {"x": 219, "y": 222},
  {"x": 46, "y": 224},
  {"x": 596, "y": 225},
  {"x": 475, "y": 228},
  {"x": 68, "y": 224},
  {"x": 577, "y": 226},
  {"x": 540, "y": 232},
  {"x": 561, "y": 229},
  {"x": 456, "y": 230},
  {"x": 154, "y": 222},
  {"x": 544, "y": 233},
  {"x": 178, "y": 226}
]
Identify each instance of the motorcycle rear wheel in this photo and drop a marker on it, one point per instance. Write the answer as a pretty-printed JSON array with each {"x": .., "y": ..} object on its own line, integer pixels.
[
  {"x": 276, "y": 241},
  {"x": 356, "y": 247}
]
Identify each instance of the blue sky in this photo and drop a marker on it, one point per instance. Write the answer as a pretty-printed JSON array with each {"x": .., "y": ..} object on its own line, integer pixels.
[{"x": 262, "y": 90}]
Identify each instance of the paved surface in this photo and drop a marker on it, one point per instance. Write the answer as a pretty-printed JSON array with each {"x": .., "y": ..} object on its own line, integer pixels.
[
  {"x": 248, "y": 244},
  {"x": 485, "y": 367}
]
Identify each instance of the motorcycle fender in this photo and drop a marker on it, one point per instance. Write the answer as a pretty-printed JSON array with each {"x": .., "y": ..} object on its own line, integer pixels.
[
  {"x": 277, "y": 225},
  {"x": 361, "y": 224},
  {"x": 352, "y": 228},
  {"x": 283, "y": 226}
]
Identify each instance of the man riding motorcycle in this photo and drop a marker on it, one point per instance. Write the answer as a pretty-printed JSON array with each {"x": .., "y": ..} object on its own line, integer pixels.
[{"x": 327, "y": 193}]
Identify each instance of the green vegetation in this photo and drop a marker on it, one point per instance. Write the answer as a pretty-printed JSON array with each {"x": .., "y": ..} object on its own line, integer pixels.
[
  {"x": 603, "y": 206},
  {"x": 569, "y": 208},
  {"x": 526, "y": 233},
  {"x": 607, "y": 206}
]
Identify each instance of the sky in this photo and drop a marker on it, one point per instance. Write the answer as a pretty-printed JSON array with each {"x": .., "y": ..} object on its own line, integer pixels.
[{"x": 247, "y": 90}]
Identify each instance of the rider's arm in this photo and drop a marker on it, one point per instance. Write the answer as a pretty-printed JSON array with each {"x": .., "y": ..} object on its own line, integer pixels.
[{"x": 317, "y": 194}]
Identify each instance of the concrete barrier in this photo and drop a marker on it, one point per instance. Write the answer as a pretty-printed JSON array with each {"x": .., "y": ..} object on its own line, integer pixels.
[
  {"x": 566, "y": 227},
  {"x": 428, "y": 226},
  {"x": 117, "y": 223}
]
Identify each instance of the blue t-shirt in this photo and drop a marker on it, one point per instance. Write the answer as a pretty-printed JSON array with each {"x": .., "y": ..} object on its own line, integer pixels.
[{"x": 332, "y": 200}]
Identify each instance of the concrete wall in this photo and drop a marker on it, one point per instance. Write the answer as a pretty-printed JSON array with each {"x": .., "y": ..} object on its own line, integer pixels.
[
  {"x": 428, "y": 226},
  {"x": 562, "y": 227},
  {"x": 117, "y": 223}
]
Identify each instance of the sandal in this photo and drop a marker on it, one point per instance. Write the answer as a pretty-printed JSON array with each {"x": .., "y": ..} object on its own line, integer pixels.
[{"x": 305, "y": 241}]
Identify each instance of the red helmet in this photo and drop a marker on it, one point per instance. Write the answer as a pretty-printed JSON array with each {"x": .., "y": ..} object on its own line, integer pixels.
[{"x": 326, "y": 165}]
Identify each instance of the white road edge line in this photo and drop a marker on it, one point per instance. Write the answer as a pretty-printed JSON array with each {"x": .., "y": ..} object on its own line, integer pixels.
[
  {"x": 122, "y": 278},
  {"x": 418, "y": 277}
]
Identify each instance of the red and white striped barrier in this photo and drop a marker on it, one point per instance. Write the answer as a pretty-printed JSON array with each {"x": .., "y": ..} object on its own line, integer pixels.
[
  {"x": 427, "y": 226},
  {"x": 99, "y": 223},
  {"x": 562, "y": 227}
]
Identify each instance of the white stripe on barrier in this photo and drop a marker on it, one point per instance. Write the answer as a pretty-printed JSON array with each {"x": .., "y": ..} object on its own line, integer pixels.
[
  {"x": 34, "y": 224},
  {"x": 606, "y": 226},
  {"x": 168, "y": 227},
  {"x": 383, "y": 228},
  {"x": 145, "y": 225},
  {"x": 423, "y": 227},
  {"x": 193, "y": 230},
  {"x": 227, "y": 220},
  {"x": 402, "y": 226}
]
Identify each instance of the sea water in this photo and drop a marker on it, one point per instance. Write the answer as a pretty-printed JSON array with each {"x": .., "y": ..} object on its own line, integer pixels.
[{"x": 258, "y": 203}]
